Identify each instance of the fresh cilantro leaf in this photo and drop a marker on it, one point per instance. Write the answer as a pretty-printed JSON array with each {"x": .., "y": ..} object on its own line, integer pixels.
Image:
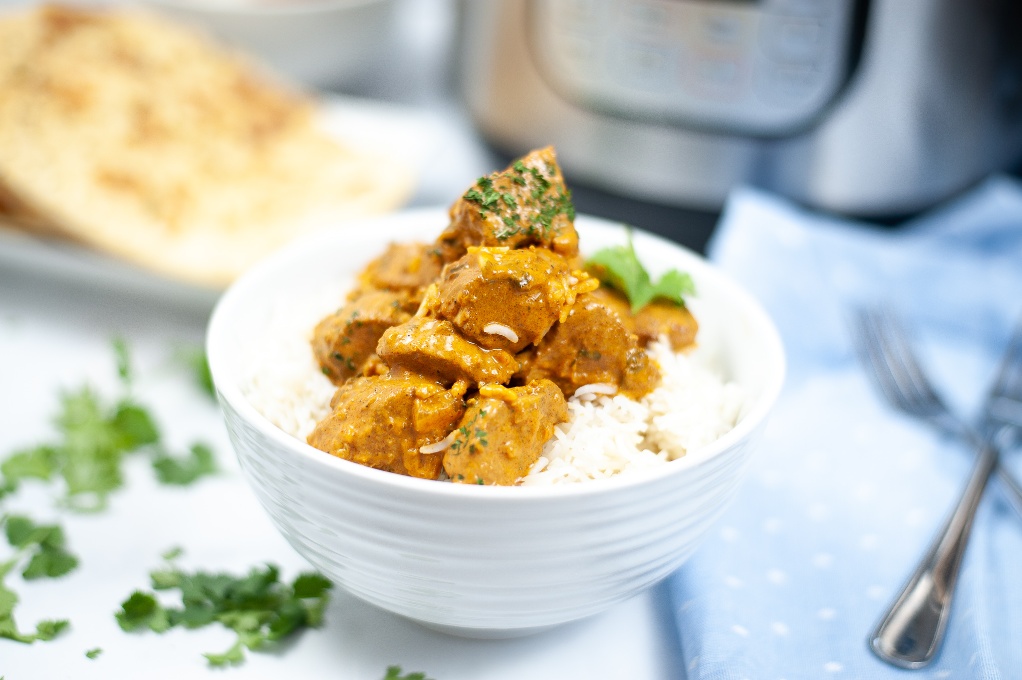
[
  {"x": 49, "y": 629},
  {"x": 258, "y": 607},
  {"x": 43, "y": 547},
  {"x": 195, "y": 360},
  {"x": 45, "y": 630},
  {"x": 123, "y": 358},
  {"x": 94, "y": 652},
  {"x": 134, "y": 425},
  {"x": 181, "y": 471},
  {"x": 8, "y": 600},
  {"x": 673, "y": 286},
  {"x": 95, "y": 439},
  {"x": 43, "y": 544},
  {"x": 619, "y": 267},
  {"x": 49, "y": 563},
  {"x": 394, "y": 673},
  {"x": 174, "y": 553},
  {"x": 22, "y": 532},
  {"x": 37, "y": 463},
  {"x": 232, "y": 657},
  {"x": 142, "y": 611},
  {"x": 7, "y": 487},
  {"x": 310, "y": 585},
  {"x": 165, "y": 579}
]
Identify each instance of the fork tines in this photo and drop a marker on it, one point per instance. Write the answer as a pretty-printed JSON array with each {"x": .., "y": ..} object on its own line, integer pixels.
[{"x": 884, "y": 344}]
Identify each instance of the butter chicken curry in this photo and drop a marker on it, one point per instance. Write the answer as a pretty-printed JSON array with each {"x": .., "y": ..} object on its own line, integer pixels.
[{"x": 455, "y": 358}]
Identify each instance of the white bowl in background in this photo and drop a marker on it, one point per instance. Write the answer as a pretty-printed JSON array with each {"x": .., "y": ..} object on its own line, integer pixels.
[
  {"x": 316, "y": 43},
  {"x": 488, "y": 561}
]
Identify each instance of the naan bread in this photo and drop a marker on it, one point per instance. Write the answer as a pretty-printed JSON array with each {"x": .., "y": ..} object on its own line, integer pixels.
[{"x": 140, "y": 138}]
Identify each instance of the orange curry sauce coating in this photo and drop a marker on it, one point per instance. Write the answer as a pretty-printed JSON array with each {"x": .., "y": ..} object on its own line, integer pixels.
[{"x": 458, "y": 356}]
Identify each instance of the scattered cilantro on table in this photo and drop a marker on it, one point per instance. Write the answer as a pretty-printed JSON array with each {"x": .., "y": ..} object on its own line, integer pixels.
[
  {"x": 182, "y": 471},
  {"x": 259, "y": 607},
  {"x": 40, "y": 552},
  {"x": 619, "y": 267},
  {"x": 95, "y": 437}
]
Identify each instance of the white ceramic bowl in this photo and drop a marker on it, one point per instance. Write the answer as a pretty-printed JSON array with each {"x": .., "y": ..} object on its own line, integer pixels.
[
  {"x": 488, "y": 561},
  {"x": 317, "y": 43}
]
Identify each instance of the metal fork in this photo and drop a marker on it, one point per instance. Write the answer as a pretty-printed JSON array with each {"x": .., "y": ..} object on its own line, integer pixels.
[{"x": 910, "y": 633}]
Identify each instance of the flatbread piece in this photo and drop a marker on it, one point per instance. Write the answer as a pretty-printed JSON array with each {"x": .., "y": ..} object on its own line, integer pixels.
[{"x": 143, "y": 139}]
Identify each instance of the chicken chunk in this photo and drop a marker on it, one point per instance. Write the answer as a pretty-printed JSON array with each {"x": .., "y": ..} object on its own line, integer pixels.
[
  {"x": 385, "y": 422},
  {"x": 503, "y": 432},
  {"x": 507, "y": 299},
  {"x": 666, "y": 318},
  {"x": 594, "y": 345},
  {"x": 405, "y": 268},
  {"x": 526, "y": 204},
  {"x": 345, "y": 341},
  {"x": 658, "y": 318},
  {"x": 434, "y": 349}
]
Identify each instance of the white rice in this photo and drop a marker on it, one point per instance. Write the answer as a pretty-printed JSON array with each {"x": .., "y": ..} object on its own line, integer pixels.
[
  {"x": 611, "y": 435},
  {"x": 281, "y": 378},
  {"x": 605, "y": 435},
  {"x": 500, "y": 329}
]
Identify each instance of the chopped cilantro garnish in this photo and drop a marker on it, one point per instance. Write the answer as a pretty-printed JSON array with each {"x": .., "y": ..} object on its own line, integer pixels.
[
  {"x": 620, "y": 268},
  {"x": 94, "y": 652},
  {"x": 346, "y": 361},
  {"x": 470, "y": 437},
  {"x": 534, "y": 208},
  {"x": 258, "y": 607}
]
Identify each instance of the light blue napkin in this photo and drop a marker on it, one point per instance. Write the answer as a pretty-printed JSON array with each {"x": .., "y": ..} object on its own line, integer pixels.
[{"x": 844, "y": 494}]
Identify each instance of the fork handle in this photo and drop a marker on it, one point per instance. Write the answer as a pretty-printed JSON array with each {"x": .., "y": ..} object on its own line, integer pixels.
[{"x": 911, "y": 631}]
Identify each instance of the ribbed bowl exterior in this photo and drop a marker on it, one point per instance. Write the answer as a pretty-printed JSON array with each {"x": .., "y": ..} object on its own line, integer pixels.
[
  {"x": 478, "y": 563},
  {"x": 489, "y": 561}
]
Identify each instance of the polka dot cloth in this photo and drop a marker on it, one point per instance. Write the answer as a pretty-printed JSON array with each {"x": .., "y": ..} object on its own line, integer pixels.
[{"x": 844, "y": 494}]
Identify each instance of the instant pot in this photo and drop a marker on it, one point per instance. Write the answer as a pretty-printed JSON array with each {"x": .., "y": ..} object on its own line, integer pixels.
[{"x": 864, "y": 107}]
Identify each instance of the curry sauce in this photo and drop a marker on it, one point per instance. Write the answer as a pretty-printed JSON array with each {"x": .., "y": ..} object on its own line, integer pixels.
[{"x": 456, "y": 358}]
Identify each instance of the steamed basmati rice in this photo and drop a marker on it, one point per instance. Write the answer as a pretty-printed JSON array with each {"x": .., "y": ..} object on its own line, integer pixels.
[{"x": 605, "y": 435}]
